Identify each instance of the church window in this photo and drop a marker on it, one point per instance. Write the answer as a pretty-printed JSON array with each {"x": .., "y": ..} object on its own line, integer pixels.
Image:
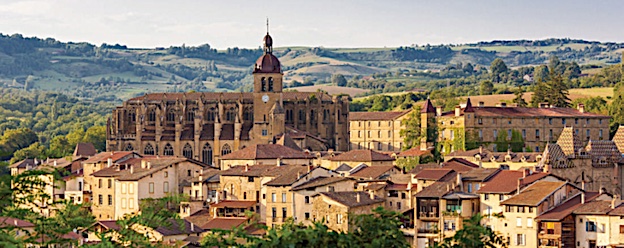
[
  {"x": 148, "y": 150},
  {"x": 132, "y": 117},
  {"x": 210, "y": 115},
  {"x": 302, "y": 117},
  {"x": 289, "y": 116},
  {"x": 264, "y": 86},
  {"x": 187, "y": 151},
  {"x": 129, "y": 147},
  {"x": 190, "y": 115},
  {"x": 151, "y": 115},
  {"x": 312, "y": 116},
  {"x": 230, "y": 115},
  {"x": 207, "y": 154},
  {"x": 170, "y": 116},
  {"x": 168, "y": 150},
  {"x": 225, "y": 150},
  {"x": 270, "y": 84}
]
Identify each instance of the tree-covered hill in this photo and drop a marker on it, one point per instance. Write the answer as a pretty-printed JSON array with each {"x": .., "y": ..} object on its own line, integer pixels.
[{"x": 116, "y": 72}]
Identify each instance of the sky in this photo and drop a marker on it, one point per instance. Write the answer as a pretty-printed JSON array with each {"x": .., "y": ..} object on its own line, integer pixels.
[{"x": 326, "y": 23}]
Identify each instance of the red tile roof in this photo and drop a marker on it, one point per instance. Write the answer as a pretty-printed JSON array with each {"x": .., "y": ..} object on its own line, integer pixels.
[
  {"x": 618, "y": 138},
  {"x": 84, "y": 150},
  {"x": 362, "y": 156},
  {"x": 267, "y": 151},
  {"x": 534, "y": 194},
  {"x": 533, "y": 112},
  {"x": 286, "y": 175},
  {"x": 433, "y": 174},
  {"x": 560, "y": 212},
  {"x": 428, "y": 107},
  {"x": 376, "y": 116},
  {"x": 349, "y": 198},
  {"x": 459, "y": 165},
  {"x": 402, "y": 186},
  {"x": 10, "y": 221},
  {"x": 414, "y": 152},
  {"x": 505, "y": 182},
  {"x": 225, "y": 223},
  {"x": 320, "y": 181},
  {"x": 104, "y": 156},
  {"x": 233, "y": 204},
  {"x": 374, "y": 172}
]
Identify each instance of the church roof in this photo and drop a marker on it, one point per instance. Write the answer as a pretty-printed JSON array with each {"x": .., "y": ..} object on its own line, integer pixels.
[
  {"x": 287, "y": 141},
  {"x": 618, "y": 139},
  {"x": 569, "y": 141},
  {"x": 268, "y": 151},
  {"x": 267, "y": 63},
  {"x": 428, "y": 107}
]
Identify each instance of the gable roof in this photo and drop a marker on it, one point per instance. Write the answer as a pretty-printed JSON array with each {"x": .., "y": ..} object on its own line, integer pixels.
[
  {"x": 374, "y": 172},
  {"x": 504, "y": 182},
  {"x": 233, "y": 204},
  {"x": 428, "y": 107},
  {"x": 376, "y": 116},
  {"x": 224, "y": 223},
  {"x": 287, "y": 175},
  {"x": 349, "y": 198},
  {"x": 560, "y": 212},
  {"x": 15, "y": 222},
  {"x": 594, "y": 207},
  {"x": 433, "y": 174},
  {"x": 414, "y": 152},
  {"x": 29, "y": 162},
  {"x": 362, "y": 156},
  {"x": 84, "y": 150},
  {"x": 137, "y": 172},
  {"x": 104, "y": 156},
  {"x": 320, "y": 181},
  {"x": 267, "y": 151},
  {"x": 248, "y": 170},
  {"x": 177, "y": 227},
  {"x": 287, "y": 141},
  {"x": 343, "y": 167},
  {"x": 569, "y": 142},
  {"x": 486, "y": 155},
  {"x": 479, "y": 174},
  {"x": 419, "y": 167},
  {"x": 534, "y": 194},
  {"x": 435, "y": 190},
  {"x": 459, "y": 165}
]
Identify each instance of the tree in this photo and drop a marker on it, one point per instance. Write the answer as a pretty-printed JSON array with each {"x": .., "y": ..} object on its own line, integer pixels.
[
  {"x": 380, "y": 229},
  {"x": 411, "y": 132},
  {"x": 558, "y": 91},
  {"x": 519, "y": 99},
  {"x": 540, "y": 73},
  {"x": 617, "y": 107},
  {"x": 97, "y": 136},
  {"x": 473, "y": 235},
  {"x": 499, "y": 70},
  {"x": 486, "y": 88},
  {"x": 36, "y": 150},
  {"x": 540, "y": 93},
  {"x": 339, "y": 80},
  {"x": 59, "y": 147},
  {"x": 16, "y": 139}
]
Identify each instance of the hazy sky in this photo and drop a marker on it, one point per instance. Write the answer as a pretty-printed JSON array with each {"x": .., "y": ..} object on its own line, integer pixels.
[{"x": 329, "y": 23}]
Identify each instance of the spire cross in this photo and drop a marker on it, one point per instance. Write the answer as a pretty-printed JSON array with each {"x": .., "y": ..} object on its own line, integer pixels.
[{"x": 267, "y": 25}]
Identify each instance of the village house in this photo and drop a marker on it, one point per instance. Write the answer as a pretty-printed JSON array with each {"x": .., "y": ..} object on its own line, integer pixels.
[
  {"x": 380, "y": 131},
  {"x": 266, "y": 154},
  {"x": 504, "y": 160},
  {"x": 354, "y": 158},
  {"x": 334, "y": 208},
  {"x": 600, "y": 223}
]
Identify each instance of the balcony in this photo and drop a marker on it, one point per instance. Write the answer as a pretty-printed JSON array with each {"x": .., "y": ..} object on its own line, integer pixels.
[
  {"x": 427, "y": 230},
  {"x": 428, "y": 215}
]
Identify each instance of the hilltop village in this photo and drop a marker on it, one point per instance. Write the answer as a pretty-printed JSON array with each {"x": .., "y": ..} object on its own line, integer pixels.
[{"x": 540, "y": 177}]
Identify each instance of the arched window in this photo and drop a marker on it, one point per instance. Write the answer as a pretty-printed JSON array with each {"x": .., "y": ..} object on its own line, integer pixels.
[
  {"x": 148, "y": 150},
  {"x": 210, "y": 114},
  {"x": 190, "y": 115},
  {"x": 312, "y": 116},
  {"x": 151, "y": 115},
  {"x": 187, "y": 151},
  {"x": 225, "y": 150},
  {"x": 263, "y": 81},
  {"x": 129, "y": 147},
  {"x": 131, "y": 116},
  {"x": 270, "y": 84},
  {"x": 230, "y": 114},
  {"x": 207, "y": 154},
  {"x": 171, "y": 115},
  {"x": 168, "y": 151}
]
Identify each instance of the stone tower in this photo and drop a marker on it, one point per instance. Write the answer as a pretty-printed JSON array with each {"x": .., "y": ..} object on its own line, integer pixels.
[
  {"x": 268, "y": 98},
  {"x": 427, "y": 124}
]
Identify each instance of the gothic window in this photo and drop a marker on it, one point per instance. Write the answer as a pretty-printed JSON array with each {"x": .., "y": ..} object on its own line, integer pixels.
[
  {"x": 289, "y": 116},
  {"x": 312, "y": 116},
  {"x": 210, "y": 115},
  {"x": 151, "y": 115},
  {"x": 230, "y": 114},
  {"x": 270, "y": 84},
  {"x": 248, "y": 115},
  {"x": 129, "y": 147},
  {"x": 225, "y": 150},
  {"x": 302, "y": 117},
  {"x": 190, "y": 115},
  {"x": 187, "y": 151},
  {"x": 325, "y": 114},
  {"x": 168, "y": 151},
  {"x": 148, "y": 150},
  {"x": 207, "y": 154},
  {"x": 131, "y": 116},
  {"x": 264, "y": 86},
  {"x": 171, "y": 115}
]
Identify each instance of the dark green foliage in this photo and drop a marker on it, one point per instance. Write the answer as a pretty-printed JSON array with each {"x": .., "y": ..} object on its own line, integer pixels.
[
  {"x": 499, "y": 70},
  {"x": 338, "y": 80},
  {"x": 486, "y": 88},
  {"x": 473, "y": 235},
  {"x": 380, "y": 229},
  {"x": 411, "y": 130},
  {"x": 518, "y": 99}
]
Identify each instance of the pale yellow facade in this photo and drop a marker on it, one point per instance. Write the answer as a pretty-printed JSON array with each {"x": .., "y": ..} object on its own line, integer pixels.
[
  {"x": 336, "y": 215},
  {"x": 608, "y": 232},
  {"x": 379, "y": 135},
  {"x": 229, "y": 163},
  {"x": 304, "y": 202}
]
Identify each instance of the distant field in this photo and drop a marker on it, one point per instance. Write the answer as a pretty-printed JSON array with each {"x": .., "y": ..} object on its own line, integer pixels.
[
  {"x": 507, "y": 49},
  {"x": 331, "y": 89}
]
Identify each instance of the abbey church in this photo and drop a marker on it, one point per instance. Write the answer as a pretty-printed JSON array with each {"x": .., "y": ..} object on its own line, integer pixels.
[{"x": 204, "y": 126}]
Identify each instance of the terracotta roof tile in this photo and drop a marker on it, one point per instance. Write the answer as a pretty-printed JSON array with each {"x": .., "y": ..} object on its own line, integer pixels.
[
  {"x": 109, "y": 224},
  {"x": 619, "y": 210},
  {"x": 401, "y": 186},
  {"x": 320, "y": 181},
  {"x": 486, "y": 155},
  {"x": 287, "y": 175},
  {"x": 560, "y": 212},
  {"x": 225, "y": 223},
  {"x": 594, "y": 207},
  {"x": 435, "y": 190},
  {"x": 618, "y": 138},
  {"x": 479, "y": 174},
  {"x": 349, "y": 198},
  {"x": 362, "y": 156},
  {"x": 414, "y": 152},
  {"x": 248, "y": 170},
  {"x": 267, "y": 151},
  {"x": 376, "y": 116},
  {"x": 15, "y": 222},
  {"x": 504, "y": 182},
  {"x": 534, "y": 194},
  {"x": 418, "y": 168},
  {"x": 104, "y": 156},
  {"x": 459, "y": 165},
  {"x": 374, "y": 172},
  {"x": 29, "y": 162},
  {"x": 344, "y": 167},
  {"x": 428, "y": 107},
  {"x": 433, "y": 174},
  {"x": 177, "y": 227},
  {"x": 84, "y": 150},
  {"x": 569, "y": 141},
  {"x": 533, "y": 112},
  {"x": 233, "y": 204}
]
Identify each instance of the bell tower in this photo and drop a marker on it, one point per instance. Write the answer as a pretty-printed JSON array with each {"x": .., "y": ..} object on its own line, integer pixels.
[{"x": 267, "y": 92}]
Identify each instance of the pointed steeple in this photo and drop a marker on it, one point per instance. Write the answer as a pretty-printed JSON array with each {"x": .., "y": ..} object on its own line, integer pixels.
[
  {"x": 468, "y": 108},
  {"x": 428, "y": 107}
]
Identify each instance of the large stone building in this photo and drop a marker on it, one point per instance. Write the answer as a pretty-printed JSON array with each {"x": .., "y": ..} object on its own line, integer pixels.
[
  {"x": 503, "y": 127},
  {"x": 379, "y": 131},
  {"x": 204, "y": 126}
]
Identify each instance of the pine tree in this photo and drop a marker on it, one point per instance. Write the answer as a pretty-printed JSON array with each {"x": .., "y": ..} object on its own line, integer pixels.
[
  {"x": 519, "y": 100},
  {"x": 540, "y": 93},
  {"x": 558, "y": 91}
]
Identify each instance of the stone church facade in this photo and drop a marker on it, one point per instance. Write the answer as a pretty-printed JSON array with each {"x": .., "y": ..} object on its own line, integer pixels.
[{"x": 204, "y": 126}]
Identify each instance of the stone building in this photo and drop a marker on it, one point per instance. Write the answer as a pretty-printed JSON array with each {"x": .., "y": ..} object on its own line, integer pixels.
[
  {"x": 204, "y": 126},
  {"x": 503, "y": 127},
  {"x": 380, "y": 131},
  {"x": 599, "y": 163}
]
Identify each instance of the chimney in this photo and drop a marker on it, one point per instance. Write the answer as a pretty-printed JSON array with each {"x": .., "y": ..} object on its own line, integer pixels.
[
  {"x": 246, "y": 167},
  {"x": 109, "y": 162},
  {"x": 131, "y": 169},
  {"x": 409, "y": 185},
  {"x": 217, "y": 197},
  {"x": 583, "y": 185},
  {"x": 371, "y": 194},
  {"x": 298, "y": 174},
  {"x": 481, "y": 104},
  {"x": 457, "y": 110},
  {"x": 55, "y": 163},
  {"x": 357, "y": 196},
  {"x": 481, "y": 149},
  {"x": 581, "y": 107},
  {"x": 279, "y": 161},
  {"x": 149, "y": 165},
  {"x": 309, "y": 169},
  {"x": 526, "y": 172},
  {"x": 15, "y": 222},
  {"x": 616, "y": 201},
  {"x": 192, "y": 227},
  {"x": 519, "y": 185},
  {"x": 582, "y": 197},
  {"x": 459, "y": 182},
  {"x": 543, "y": 105},
  {"x": 438, "y": 111}
]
